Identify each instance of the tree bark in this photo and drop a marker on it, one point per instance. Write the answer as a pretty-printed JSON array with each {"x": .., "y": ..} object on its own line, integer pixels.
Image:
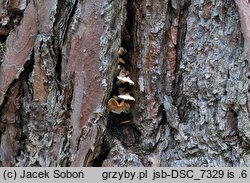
[{"x": 189, "y": 61}]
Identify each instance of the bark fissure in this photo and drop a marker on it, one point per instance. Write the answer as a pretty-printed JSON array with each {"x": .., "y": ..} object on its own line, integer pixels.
[
  {"x": 120, "y": 129},
  {"x": 64, "y": 19}
]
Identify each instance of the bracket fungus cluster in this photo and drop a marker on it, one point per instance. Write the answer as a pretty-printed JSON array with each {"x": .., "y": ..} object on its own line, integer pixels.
[{"x": 120, "y": 103}]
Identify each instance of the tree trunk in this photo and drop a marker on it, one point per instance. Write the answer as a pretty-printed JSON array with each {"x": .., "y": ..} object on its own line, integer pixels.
[{"x": 189, "y": 61}]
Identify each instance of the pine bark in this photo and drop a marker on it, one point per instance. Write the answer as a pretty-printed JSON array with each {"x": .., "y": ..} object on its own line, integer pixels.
[{"x": 189, "y": 60}]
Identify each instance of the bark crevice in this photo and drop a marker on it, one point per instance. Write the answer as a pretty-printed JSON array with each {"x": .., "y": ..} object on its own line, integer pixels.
[{"x": 119, "y": 133}]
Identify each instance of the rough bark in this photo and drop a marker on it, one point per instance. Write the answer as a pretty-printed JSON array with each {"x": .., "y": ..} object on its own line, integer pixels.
[{"x": 189, "y": 60}]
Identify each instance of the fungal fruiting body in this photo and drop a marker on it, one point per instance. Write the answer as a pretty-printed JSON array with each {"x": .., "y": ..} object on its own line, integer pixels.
[
  {"x": 122, "y": 51},
  {"x": 118, "y": 108},
  {"x": 126, "y": 97},
  {"x": 122, "y": 57},
  {"x": 121, "y": 61},
  {"x": 120, "y": 103},
  {"x": 125, "y": 80},
  {"x": 123, "y": 72}
]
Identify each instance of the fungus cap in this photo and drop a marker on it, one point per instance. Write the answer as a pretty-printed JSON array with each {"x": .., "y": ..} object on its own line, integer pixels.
[
  {"x": 126, "y": 97},
  {"x": 125, "y": 79},
  {"x": 118, "y": 108},
  {"x": 121, "y": 51}
]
